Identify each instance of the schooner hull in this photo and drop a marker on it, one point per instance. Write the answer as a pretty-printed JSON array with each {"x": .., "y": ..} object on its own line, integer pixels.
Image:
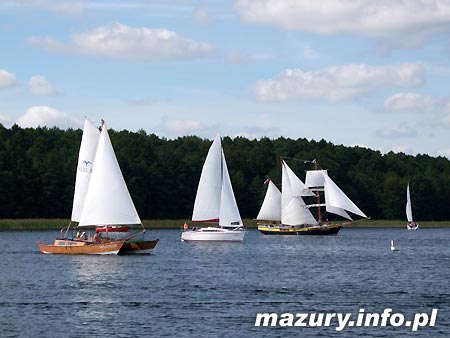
[
  {"x": 71, "y": 247},
  {"x": 322, "y": 230},
  {"x": 213, "y": 236},
  {"x": 138, "y": 247}
]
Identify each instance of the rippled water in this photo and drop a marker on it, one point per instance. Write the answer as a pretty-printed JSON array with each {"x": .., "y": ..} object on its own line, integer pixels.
[{"x": 215, "y": 290}]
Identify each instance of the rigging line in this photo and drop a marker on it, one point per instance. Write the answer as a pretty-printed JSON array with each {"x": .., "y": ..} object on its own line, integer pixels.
[{"x": 314, "y": 161}]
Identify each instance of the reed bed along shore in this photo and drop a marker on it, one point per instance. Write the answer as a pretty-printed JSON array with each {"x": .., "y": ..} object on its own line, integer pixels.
[{"x": 57, "y": 224}]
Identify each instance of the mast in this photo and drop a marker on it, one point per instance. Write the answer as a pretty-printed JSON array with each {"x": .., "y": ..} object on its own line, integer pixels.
[
  {"x": 317, "y": 194},
  {"x": 319, "y": 213}
]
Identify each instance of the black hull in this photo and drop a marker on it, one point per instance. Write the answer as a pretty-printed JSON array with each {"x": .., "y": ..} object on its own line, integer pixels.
[{"x": 325, "y": 230}]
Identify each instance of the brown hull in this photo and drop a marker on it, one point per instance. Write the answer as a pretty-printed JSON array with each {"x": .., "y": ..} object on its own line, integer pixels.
[
  {"x": 138, "y": 247},
  {"x": 331, "y": 229},
  {"x": 71, "y": 247}
]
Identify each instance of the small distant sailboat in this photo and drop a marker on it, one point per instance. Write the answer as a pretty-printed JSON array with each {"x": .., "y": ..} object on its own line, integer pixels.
[
  {"x": 290, "y": 215},
  {"x": 394, "y": 245},
  {"x": 411, "y": 225},
  {"x": 101, "y": 199},
  {"x": 215, "y": 202}
]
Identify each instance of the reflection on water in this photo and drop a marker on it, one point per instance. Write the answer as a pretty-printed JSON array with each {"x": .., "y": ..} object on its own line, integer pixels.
[
  {"x": 215, "y": 289},
  {"x": 96, "y": 279}
]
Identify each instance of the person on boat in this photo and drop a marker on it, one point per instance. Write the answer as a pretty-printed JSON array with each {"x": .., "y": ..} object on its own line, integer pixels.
[
  {"x": 97, "y": 237},
  {"x": 185, "y": 226}
]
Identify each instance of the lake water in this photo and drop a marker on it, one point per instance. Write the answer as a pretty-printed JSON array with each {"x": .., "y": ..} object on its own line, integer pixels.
[{"x": 216, "y": 290}]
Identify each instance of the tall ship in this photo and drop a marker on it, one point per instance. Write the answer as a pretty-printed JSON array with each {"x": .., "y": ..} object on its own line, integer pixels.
[{"x": 286, "y": 213}]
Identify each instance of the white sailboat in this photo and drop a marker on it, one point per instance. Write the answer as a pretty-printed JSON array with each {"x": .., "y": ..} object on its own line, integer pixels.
[
  {"x": 295, "y": 215},
  {"x": 215, "y": 202},
  {"x": 101, "y": 198},
  {"x": 411, "y": 225}
]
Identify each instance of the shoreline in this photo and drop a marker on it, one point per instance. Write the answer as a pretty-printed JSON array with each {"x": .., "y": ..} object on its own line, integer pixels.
[{"x": 57, "y": 224}]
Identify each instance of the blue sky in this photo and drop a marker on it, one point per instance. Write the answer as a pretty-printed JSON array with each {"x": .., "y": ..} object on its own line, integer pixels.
[{"x": 368, "y": 73}]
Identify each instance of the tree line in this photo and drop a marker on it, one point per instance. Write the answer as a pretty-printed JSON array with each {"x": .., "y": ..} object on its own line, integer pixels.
[{"x": 37, "y": 173}]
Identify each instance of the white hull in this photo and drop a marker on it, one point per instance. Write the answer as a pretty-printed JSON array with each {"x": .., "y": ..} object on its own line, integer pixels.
[
  {"x": 411, "y": 227},
  {"x": 213, "y": 235}
]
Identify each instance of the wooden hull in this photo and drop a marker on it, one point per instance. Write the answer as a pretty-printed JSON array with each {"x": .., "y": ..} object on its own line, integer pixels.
[
  {"x": 322, "y": 230},
  {"x": 72, "y": 247},
  {"x": 138, "y": 247}
]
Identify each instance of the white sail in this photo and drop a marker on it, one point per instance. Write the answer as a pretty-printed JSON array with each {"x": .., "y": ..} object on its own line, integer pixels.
[
  {"x": 86, "y": 156},
  {"x": 335, "y": 198},
  {"x": 107, "y": 200},
  {"x": 297, "y": 186},
  {"x": 315, "y": 178},
  {"x": 271, "y": 206},
  {"x": 408, "y": 205},
  {"x": 229, "y": 212},
  {"x": 293, "y": 208},
  {"x": 207, "y": 200}
]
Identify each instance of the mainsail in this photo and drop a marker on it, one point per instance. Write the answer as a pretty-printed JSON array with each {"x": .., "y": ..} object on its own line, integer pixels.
[
  {"x": 86, "y": 155},
  {"x": 107, "y": 200},
  {"x": 408, "y": 205}
]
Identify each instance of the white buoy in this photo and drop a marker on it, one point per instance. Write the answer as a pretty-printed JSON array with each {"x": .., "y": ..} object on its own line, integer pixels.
[{"x": 393, "y": 245}]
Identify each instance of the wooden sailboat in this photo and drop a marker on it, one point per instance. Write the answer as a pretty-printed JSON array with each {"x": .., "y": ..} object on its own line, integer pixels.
[
  {"x": 101, "y": 198},
  {"x": 294, "y": 215},
  {"x": 411, "y": 225},
  {"x": 215, "y": 202}
]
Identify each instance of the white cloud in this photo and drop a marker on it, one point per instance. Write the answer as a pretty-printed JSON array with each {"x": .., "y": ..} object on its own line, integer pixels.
[
  {"x": 402, "y": 149},
  {"x": 183, "y": 127},
  {"x": 338, "y": 82},
  {"x": 119, "y": 41},
  {"x": 202, "y": 17},
  {"x": 48, "y": 43},
  {"x": 63, "y": 7},
  {"x": 7, "y": 79},
  {"x": 4, "y": 119},
  {"x": 445, "y": 152},
  {"x": 445, "y": 121},
  {"x": 255, "y": 132},
  {"x": 404, "y": 23},
  {"x": 45, "y": 116},
  {"x": 412, "y": 102},
  {"x": 40, "y": 86},
  {"x": 396, "y": 132}
]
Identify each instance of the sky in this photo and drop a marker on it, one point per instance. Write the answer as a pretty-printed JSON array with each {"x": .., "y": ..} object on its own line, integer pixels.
[{"x": 366, "y": 73}]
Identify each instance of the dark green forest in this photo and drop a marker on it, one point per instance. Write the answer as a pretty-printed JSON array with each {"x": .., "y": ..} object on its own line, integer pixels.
[{"x": 37, "y": 173}]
